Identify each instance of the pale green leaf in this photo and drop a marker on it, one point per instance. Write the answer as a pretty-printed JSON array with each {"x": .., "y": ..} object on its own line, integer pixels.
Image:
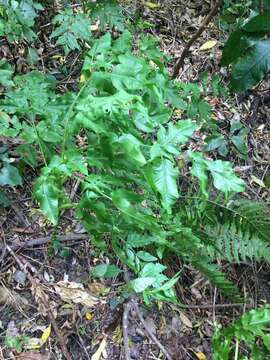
[{"x": 165, "y": 176}]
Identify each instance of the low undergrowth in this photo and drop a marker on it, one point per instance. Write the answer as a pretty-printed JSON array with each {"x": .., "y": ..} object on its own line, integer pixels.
[{"x": 129, "y": 136}]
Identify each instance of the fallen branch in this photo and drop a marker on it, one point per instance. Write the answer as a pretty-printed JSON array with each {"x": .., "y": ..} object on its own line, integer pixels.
[
  {"x": 201, "y": 29},
  {"x": 45, "y": 240},
  {"x": 127, "y": 308}
]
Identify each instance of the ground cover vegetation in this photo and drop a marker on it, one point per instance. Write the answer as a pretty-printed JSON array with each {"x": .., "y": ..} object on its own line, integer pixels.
[{"x": 153, "y": 168}]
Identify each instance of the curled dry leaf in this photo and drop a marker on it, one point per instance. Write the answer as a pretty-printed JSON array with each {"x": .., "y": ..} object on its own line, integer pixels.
[
  {"x": 40, "y": 296},
  {"x": 10, "y": 297},
  {"x": 33, "y": 355},
  {"x": 74, "y": 292}
]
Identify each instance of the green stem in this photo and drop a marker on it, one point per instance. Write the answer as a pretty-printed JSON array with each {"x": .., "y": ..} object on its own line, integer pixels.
[
  {"x": 236, "y": 350},
  {"x": 68, "y": 116},
  {"x": 84, "y": 6},
  {"x": 38, "y": 139}
]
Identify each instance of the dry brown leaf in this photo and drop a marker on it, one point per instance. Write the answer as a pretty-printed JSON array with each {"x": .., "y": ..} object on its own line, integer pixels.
[
  {"x": 97, "y": 288},
  {"x": 33, "y": 355},
  {"x": 10, "y": 297},
  {"x": 40, "y": 296},
  {"x": 100, "y": 350},
  {"x": 185, "y": 320},
  {"x": 74, "y": 292}
]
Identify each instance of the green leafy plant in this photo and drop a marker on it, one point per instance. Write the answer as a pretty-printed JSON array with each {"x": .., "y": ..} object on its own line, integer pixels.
[
  {"x": 251, "y": 332},
  {"x": 9, "y": 176},
  {"x": 133, "y": 125},
  {"x": 71, "y": 29},
  {"x": 107, "y": 13},
  {"x": 237, "y": 138},
  {"x": 17, "y": 19},
  {"x": 248, "y": 49},
  {"x": 16, "y": 342}
]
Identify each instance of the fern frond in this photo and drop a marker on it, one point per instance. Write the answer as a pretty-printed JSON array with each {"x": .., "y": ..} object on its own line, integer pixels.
[
  {"x": 217, "y": 278},
  {"x": 239, "y": 232},
  {"x": 234, "y": 232}
]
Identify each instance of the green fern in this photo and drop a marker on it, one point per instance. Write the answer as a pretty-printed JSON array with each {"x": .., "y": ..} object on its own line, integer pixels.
[
  {"x": 235, "y": 232},
  {"x": 239, "y": 232},
  {"x": 251, "y": 330}
]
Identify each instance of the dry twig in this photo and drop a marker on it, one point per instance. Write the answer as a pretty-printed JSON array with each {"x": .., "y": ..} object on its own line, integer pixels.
[
  {"x": 206, "y": 21},
  {"x": 133, "y": 305},
  {"x": 45, "y": 240}
]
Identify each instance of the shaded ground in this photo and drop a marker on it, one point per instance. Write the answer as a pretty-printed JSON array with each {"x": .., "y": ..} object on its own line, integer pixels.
[{"x": 185, "y": 332}]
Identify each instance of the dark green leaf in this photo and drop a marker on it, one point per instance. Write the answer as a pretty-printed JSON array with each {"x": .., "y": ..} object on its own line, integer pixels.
[
  {"x": 105, "y": 271},
  {"x": 46, "y": 194},
  {"x": 4, "y": 200},
  {"x": 251, "y": 69},
  {"x": 235, "y": 47},
  {"x": 258, "y": 23},
  {"x": 9, "y": 175}
]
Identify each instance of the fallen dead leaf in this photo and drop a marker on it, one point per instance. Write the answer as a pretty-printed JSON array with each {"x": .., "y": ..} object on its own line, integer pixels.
[
  {"x": 208, "y": 45},
  {"x": 89, "y": 316},
  {"x": 74, "y": 292},
  {"x": 258, "y": 181},
  {"x": 36, "y": 343},
  {"x": 100, "y": 350},
  {"x": 185, "y": 320},
  {"x": 33, "y": 355},
  {"x": 97, "y": 288},
  {"x": 40, "y": 296},
  {"x": 200, "y": 355},
  {"x": 10, "y": 297}
]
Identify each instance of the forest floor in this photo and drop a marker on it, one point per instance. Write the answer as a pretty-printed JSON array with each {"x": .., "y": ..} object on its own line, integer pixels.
[{"x": 31, "y": 276}]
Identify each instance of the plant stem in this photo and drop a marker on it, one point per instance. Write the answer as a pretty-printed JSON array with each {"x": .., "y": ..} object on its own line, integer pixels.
[
  {"x": 68, "y": 115},
  {"x": 236, "y": 350},
  {"x": 38, "y": 139},
  {"x": 84, "y": 6}
]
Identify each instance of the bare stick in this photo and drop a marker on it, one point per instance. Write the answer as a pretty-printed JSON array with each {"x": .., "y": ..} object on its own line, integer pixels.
[
  {"x": 149, "y": 331},
  {"x": 134, "y": 305},
  {"x": 127, "y": 308},
  {"x": 44, "y": 300},
  {"x": 206, "y": 21},
  {"x": 45, "y": 240}
]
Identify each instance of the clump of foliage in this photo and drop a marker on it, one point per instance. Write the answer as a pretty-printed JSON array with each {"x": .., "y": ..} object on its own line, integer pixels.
[
  {"x": 71, "y": 29},
  {"x": 106, "y": 13},
  {"x": 251, "y": 330},
  {"x": 126, "y": 137},
  {"x": 248, "y": 49},
  {"x": 128, "y": 165},
  {"x": 17, "y": 19}
]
